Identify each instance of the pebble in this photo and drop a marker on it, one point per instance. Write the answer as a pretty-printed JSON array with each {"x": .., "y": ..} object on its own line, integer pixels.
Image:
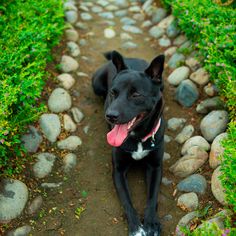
[
  {"x": 31, "y": 140},
  {"x": 71, "y": 143},
  {"x": 13, "y": 198},
  {"x": 50, "y": 126},
  {"x": 194, "y": 183},
  {"x": 77, "y": 114},
  {"x": 103, "y": 3},
  {"x": 139, "y": 17},
  {"x": 68, "y": 64},
  {"x": 109, "y": 33},
  {"x": 175, "y": 60},
  {"x": 175, "y": 123},
  {"x": 147, "y": 4},
  {"x": 158, "y": 15},
  {"x": 81, "y": 25},
  {"x": 179, "y": 40},
  {"x": 69, "y": 6},
  {"x": 156, "y": 32},
  {"x": 210, "y": 90},
  {"x": 71, "y": 16},
  {"x": 35, "y": 205},
  {"x": 217, "y": 150},
  {"x": 83, "y": 8},
  {"x": 173, "y": 29},
  {"x": 185, "y": 134},
  {"x": 82, "y": 74},
  {"x": 217, "y": 188},
  {"x": 135, "y": 9},
  {"x": 125, "y": 36},
  {"x": 112, "y": 8},
  {"x": 51, "y": 185},
  {"x": 198, "y": 141},
  {"x": 188, "y": 201},
  {"x": 132, "y": 29},
  {"x": 170, "y": 51},
  {"x": 83, "y": 42},
  {"x": 67, "y": 81},
  {"x": 96, "y": 9},
  {"x": 190, "y": 162},
  {"x": 166, "y": 156},
  {"x": 213, "y": 124},
  {"x": 178, "y": 75},
  {"x": 43, "y": 165},
  {"x": 193, "y": 63},
  {"x": 129, "y": 45},
  {"x": 106, "y": 15},
  {"x": 127, "y": 21},
  {"x": 186, "y": 93},
  {"x": 166, "y": 181},
  {"x": 59, "y": 100},
  {"x": 164, "y": 24},
  {"x": 86, "y": 16},
  {"x": 20, "y": 231},
  {"x": 122, "y": 3},
  {"x": 69, "y": 125},
  {"x": 201, "y": 77},
  {"x": 70, "y": 161},
  {"x": 74, "y": 49},
  {"x": 164, "y": 41},
  {"x": 72, "y": 35},
  {"x": 210, "y": 104},
  {"x": 186, "y": 45},
  {"x": 167, "y": 217},
  {"x": 167, "y": 138},
  {"x": 121, "y": 13},
  {"x": 146, "y": 24}
]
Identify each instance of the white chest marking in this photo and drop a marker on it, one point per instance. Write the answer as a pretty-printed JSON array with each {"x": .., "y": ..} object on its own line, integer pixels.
[{"x": 140, "y": 153}]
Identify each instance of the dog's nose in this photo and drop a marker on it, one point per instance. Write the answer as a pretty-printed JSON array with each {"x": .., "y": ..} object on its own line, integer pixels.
[{"x": 112, "y": 116}]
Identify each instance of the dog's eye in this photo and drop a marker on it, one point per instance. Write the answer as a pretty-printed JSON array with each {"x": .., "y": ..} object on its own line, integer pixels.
[
  {"x": 135, "y": 95},
  {"x": 113, "y": 93}
]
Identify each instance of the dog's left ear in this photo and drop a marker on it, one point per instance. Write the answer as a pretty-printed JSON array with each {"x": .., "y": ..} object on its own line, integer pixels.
[
  {"x": 155, "y": 68},
  {"x": 118, "y": 61}
]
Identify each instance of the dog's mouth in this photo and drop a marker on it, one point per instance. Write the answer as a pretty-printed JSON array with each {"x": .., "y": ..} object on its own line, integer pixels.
[{"x": 120, "y": 132}]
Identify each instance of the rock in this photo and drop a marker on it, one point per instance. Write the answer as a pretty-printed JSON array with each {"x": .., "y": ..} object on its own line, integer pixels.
[
  {"x": 217, "y": 188},
  {"x": 180, "y": 40},
  {"x": 185, "y": 134},
  {"x": 146, "y": 24},
  {"x": 109, "y": 33},
  {"x": 170, "y": 51},
  {"x": 122, "y": 3},
  {"x": 158, "y": 15},
  {"x": 200, "y": 76},
  {"x": 83, "y": 8},
  {"x": 193, "y": 63},
  {"x": 69, "y": 125},
  {"x": 198, "y": 141},
  {"x": 186, "y": 93},
  {"x": 213, "y": 124},
  {"x": 166, "y": 181},
  {"x": 68, "y": 64},
  {"x": 109, "y": 23},
  {"x": 186, "y": 45},
  {"x": 190, "y": 162},
  {"x": 31, "y": 140},
  {"x": 125, "y": 36},
  {"x": 173, "y": 29},
  {"x": 71, "y": 143},
  {"x": 106, "y": 15},
  {"x": 69, "y": 161},
  {"x": 166, "y": 156},
  {"x": 194, "y": 183},
  {"x": 13, "y": 198},
  {"x": 69, "y": 6},
  {"x": 167, "y": 138},
  {"x": 59, "y": 100},
  {"x": 43, "y": 165},
  {"x": 81, "y": 25},
  {"x": 164, "y": 41},
  {"x": 167, "y": 217},
  {"x": 71, "y": 16},
  {"x": 134, "y": 9},
  {"x": 72, "y": 35},
  {"x": 175, "y": 60},
  {"x": 51, "y": 185},
  {"x": 21, "y": 231},
  {"x": 121, "y": 13},
  {"x": 103, "y": 3},
  {"x": 156, "y": 32},
  {"x": 86, "y": 16},
  {"x": 164, "y": 24},
  {"x": 127, "y": 21},
  {"x": 210, "y": 90},
  {"x": 67, "y": 81},
  {"x": 210, "y": 104},
  {"x": 73, "y": 49},
  {"x": 175, "y": 123},
  {"x": 178, "y": 75},
  {"x": 139, "y": 17},
  {"x": 83, "y": 42},
  {"x": 129, "y": 45},
  {"x": 96, "y": 9},
  {"x": 132, "y": 29},
  {"x": 188, "y": 201},
  {"x": 35, "y": 205},
  {"x": 77, "y": 114},
  {"x": 147, "y": 4},
  {"x": 50, "y": 126},
  {"x": 112, "y": 8},
  {"x": 217, "y": 150}
]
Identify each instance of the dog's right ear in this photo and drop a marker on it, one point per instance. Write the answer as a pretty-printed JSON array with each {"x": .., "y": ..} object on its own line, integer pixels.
[{"x": 118, "y": 61}]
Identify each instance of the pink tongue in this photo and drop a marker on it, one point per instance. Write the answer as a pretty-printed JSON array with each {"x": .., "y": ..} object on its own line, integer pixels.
[{"x": 117, "y": 135}]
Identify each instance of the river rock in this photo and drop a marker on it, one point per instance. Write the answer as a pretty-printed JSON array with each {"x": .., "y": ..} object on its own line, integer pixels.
[
  {"x": 186, "y": 45},
  {"x": 86, "y": 16},
  {"x": 51, "y": 185},
  {"x": 77, "y": 114},
  {"x": 167, "y": 138},
  {"x": 81, "y": 25},
  {"x": 194, "y": 183},
  {"x": 121, "y": 13},
  {"x": 43, "y": 165},
  {"x": 125, "y": 36},
  {"x": 72, "y": 35},
  {"x": 158, "y": 15},
  {"x": 188, "y": 201},
  {"x": 35, "y": 205},
  {"x": 69, "y": 161},
  {"x": 127, "y": 21},
  {"x": 132, "y": 29},
  {"x": 20, "y": 231},
  {"x": 83, "y": 8},
  {"x": 129, "y": 45},
  {"x": 156, "y": 32},
  {"x": 200, "y": 76},
  {"x": 175, "y": 123},
  {"x": 68, "y": 64},
  {"x": 210, "y": 90},
  {"x": 164, "y": 41},
  {"x": 178, "y": 75},
  {"x": 106, "y": 15},
  {"x": 190, "y": 162},
  {"x": 122, "y": 3},
  {"x": 147, "y": 4},
  {"x": 173, "y": 29},
  {"x": 164, "y": 24},
  {"x": 112, "y": 8},
  {"x": 73, "y": 49},
  {"x": 67, "y": 81},
  {"x": 166, "y": 156},
  {"x": 193, "y": 63},
  {"x": 59, "y": 100},
  {"x": 71, "y": 143},
  {"x": 109, "y": 33},
  {"x": 180, "y": 40},
  {"x": 146, "y": 24},
  {"x": 71, "y": 16},
  {"x": 170, "y": 51},
  {"x": 217, "y": 188},
  {"x": 31, "y": 140},
  {"x": 213, "y": 124},
  {"x": 185, "y": 134},
  {"x": 139, "y": 17},
  {"x": 135, "y": 8},
  {"x": 217, "y": 150},
  {"x": 166, "y": 181},
  {"x": 210, "y": 104},
  {"x": 69, "y": 125},
  {"x": 175, "y": 60},
  {"x": 197, "y": 141},
  {"x": 69, "y": 6},
  {"x": 186, "y": 93},
  {"x": 50, "y": 126},
  {"x": 13, "y": 198}
]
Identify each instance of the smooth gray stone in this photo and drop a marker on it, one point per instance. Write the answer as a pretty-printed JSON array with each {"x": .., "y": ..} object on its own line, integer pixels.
[
  {"x": 210, "y": 104},
  {"x": 173, "y": 29},
  {"x": 106, "y": 15},
  {"x": 86, "y": 16},
  {"x": 21, "y": 231},
  {"x": 158, "y": 15},
  {"x": 127, "y": 21},
  {"x": 129, "y": 45},
  {"x": 71, "y": 143},
  {"x": 175, "y": 123},
  {"x": 156, "y": 32},
  {"x": 35, "y": 205},
  {"x": 121, "y": 13},
  {"x": 132, "y": 29},
  {"x": 175, "y": 60},
  {"x": 71, "y": 16}
]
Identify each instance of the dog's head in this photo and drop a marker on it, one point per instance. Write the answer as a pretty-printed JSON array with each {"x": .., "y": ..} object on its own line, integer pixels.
[{"x": 132, "y": 97}]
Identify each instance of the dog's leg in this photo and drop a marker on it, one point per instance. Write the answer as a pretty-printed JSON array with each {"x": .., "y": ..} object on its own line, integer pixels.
[
  {"x": 154, "y": 173},
  {"x": 121, "y": 164}
]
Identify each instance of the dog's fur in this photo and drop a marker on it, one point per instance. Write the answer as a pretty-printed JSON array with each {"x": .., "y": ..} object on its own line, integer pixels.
[{"x": 132, "y": 88}]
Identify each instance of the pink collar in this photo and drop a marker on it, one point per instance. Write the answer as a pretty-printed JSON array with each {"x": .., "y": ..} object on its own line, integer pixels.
[{"x": 153, "y": 131}]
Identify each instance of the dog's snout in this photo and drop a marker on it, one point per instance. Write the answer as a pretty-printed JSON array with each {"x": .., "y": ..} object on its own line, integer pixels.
[{"x": 112, "y": 116}]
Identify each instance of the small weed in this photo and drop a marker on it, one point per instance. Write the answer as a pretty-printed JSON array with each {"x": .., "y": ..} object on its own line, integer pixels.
[{"x": 79, "y": 211}]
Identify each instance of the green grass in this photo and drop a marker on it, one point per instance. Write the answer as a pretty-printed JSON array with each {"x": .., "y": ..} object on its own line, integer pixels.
[{"x": 28, "y": 31}]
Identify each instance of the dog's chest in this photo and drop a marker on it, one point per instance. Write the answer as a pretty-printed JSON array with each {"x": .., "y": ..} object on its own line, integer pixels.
[{"x": 140, "y": 153}]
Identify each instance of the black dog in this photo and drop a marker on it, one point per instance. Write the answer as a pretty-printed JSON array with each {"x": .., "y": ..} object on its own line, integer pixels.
[{"x": 133, "y": 108}]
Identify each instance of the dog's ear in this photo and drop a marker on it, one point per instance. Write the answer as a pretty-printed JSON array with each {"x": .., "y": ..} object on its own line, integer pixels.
[
  {"x": 118, "y": 61},
  {"x": 155, "y": 68}
]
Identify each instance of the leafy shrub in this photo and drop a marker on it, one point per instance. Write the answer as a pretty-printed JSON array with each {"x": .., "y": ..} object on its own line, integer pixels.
[{"x": 28, "y": 31}]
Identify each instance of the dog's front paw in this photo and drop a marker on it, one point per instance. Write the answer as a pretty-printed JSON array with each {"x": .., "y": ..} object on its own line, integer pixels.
[
  {"x": 139, "y": 232},
  {"x": 152, "y": 227}
]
